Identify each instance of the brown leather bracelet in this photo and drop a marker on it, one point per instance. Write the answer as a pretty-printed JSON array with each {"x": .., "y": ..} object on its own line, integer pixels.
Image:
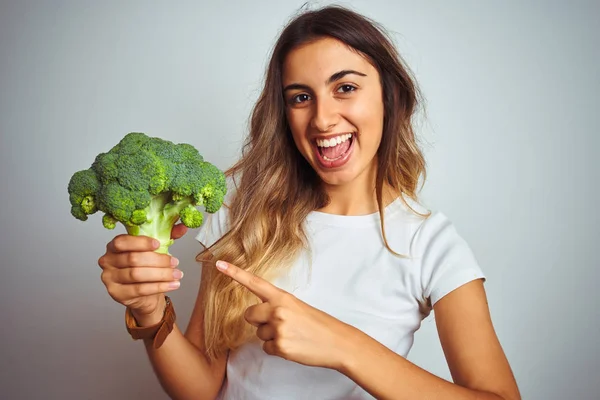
[{"x": 158, "y": 332}]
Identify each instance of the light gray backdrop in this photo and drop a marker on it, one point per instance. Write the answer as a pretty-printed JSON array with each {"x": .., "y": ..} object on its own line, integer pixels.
[{"x": 511, "y": 139}]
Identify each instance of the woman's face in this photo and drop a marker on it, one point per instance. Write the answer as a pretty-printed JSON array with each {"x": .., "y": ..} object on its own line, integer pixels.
[{"x": 334, "y": 109}]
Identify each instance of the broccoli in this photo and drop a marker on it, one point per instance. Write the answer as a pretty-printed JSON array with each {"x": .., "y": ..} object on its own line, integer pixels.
[{"x": 148, "y": 184}]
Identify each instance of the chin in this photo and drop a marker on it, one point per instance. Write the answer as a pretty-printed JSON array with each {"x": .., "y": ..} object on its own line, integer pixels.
[{"x": 338, "y": 178}]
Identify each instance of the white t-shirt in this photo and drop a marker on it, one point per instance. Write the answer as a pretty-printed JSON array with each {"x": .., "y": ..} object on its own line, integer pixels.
[{"x": 357, "y": 280}]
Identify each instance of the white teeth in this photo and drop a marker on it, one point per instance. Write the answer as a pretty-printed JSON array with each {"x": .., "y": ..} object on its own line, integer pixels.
[{"x": 333, "y": 141}]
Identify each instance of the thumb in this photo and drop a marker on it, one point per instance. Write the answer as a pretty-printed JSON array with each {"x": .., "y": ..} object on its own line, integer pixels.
[{"x": 178, "y": 231}]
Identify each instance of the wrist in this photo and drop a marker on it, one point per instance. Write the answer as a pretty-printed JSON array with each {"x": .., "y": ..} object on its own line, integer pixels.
[
  {"x": 153, "y": 318},
  {"x": 157, "y": 332},
  {"x": 349, "y": 348}
]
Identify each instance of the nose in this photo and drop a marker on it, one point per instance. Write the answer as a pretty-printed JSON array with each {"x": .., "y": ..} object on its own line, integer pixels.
[{"x": 325, "y": 115}]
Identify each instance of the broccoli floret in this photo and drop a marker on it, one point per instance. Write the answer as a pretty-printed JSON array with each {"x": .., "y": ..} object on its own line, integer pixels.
[
  {"x": 147, "y": 184},
  {"x": 82, "y": 193},
  {"x": 191, "y": 217}
]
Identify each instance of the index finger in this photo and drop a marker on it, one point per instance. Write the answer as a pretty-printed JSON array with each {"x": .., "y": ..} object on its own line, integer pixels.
[
  {"x": 123, "y": 243},
  {"x": 261, "y": 288},
  {"x": 178, "y": 231}
]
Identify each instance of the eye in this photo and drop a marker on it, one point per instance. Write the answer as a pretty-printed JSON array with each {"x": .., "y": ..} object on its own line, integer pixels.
[
  {"x": 346, "y": 88},
  {"x": 299, "y": 99}
]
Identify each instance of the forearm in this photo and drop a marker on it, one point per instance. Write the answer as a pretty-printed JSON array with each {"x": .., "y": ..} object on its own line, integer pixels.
[
  {"x": 386, "y": 375},
  {"x": 181, "y": 368}
]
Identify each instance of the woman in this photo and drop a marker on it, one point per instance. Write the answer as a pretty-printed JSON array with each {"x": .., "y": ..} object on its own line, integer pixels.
[{"x": 322, "y": 265}]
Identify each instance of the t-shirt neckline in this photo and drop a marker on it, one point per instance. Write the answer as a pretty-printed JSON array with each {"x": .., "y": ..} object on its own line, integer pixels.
[{"x": 354, "y": 220}]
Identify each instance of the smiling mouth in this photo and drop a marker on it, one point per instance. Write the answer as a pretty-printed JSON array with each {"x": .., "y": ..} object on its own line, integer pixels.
[{"x": 334, "y": 152}]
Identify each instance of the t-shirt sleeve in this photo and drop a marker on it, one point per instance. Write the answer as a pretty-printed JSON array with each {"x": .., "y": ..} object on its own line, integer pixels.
[
  {"x": 216, "y": 225},
  {"x": 213, "y": 228},
  {"x": 445, "y": 258}
]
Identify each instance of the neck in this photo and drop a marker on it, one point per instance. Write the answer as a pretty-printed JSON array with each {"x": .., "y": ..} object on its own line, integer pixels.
[{"x": 358, "y": 197}]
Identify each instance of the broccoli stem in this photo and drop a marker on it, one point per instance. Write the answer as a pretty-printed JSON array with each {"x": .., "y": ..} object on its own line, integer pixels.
[{"x": 161, "y": 215}]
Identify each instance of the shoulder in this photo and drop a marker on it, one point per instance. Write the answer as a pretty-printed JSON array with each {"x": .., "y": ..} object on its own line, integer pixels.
[
  {"x": 427, "y": 226},
  {"x": 444, "y": 259},
  {"x": 434, "y": 233}
]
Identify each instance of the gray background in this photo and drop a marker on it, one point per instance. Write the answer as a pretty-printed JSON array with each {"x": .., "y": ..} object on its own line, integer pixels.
[{"x": 512, "y": 94}]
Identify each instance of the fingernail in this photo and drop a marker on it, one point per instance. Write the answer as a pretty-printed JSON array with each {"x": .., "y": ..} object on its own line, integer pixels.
[
  {"x": 177, "y": 274},
  {"x": 174, "y": 284},
  {"x": 221, "y": 265},
  {"x": 155, "y": 244},
  {"x": 174, "y": 262}
]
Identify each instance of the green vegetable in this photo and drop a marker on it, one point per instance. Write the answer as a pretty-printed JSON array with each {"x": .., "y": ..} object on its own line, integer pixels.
[{"x": 147, "y": 184}]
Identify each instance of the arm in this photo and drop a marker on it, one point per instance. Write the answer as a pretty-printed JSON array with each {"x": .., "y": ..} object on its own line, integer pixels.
[
  {"x": 476, "y": 360},
  {"x": 180, "y": 363}
]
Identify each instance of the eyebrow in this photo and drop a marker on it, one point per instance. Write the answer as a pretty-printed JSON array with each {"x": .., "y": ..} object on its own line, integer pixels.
[{"x": 333, "y": 78}]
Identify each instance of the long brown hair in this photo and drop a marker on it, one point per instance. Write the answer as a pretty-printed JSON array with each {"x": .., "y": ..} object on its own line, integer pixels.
[{"x": 276, "y": 188}]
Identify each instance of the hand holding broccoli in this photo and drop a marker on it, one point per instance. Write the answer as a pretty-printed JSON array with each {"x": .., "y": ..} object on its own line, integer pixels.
[
  {"x": 147, "y": 184},
  {"x": 137, "y": 276}
]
